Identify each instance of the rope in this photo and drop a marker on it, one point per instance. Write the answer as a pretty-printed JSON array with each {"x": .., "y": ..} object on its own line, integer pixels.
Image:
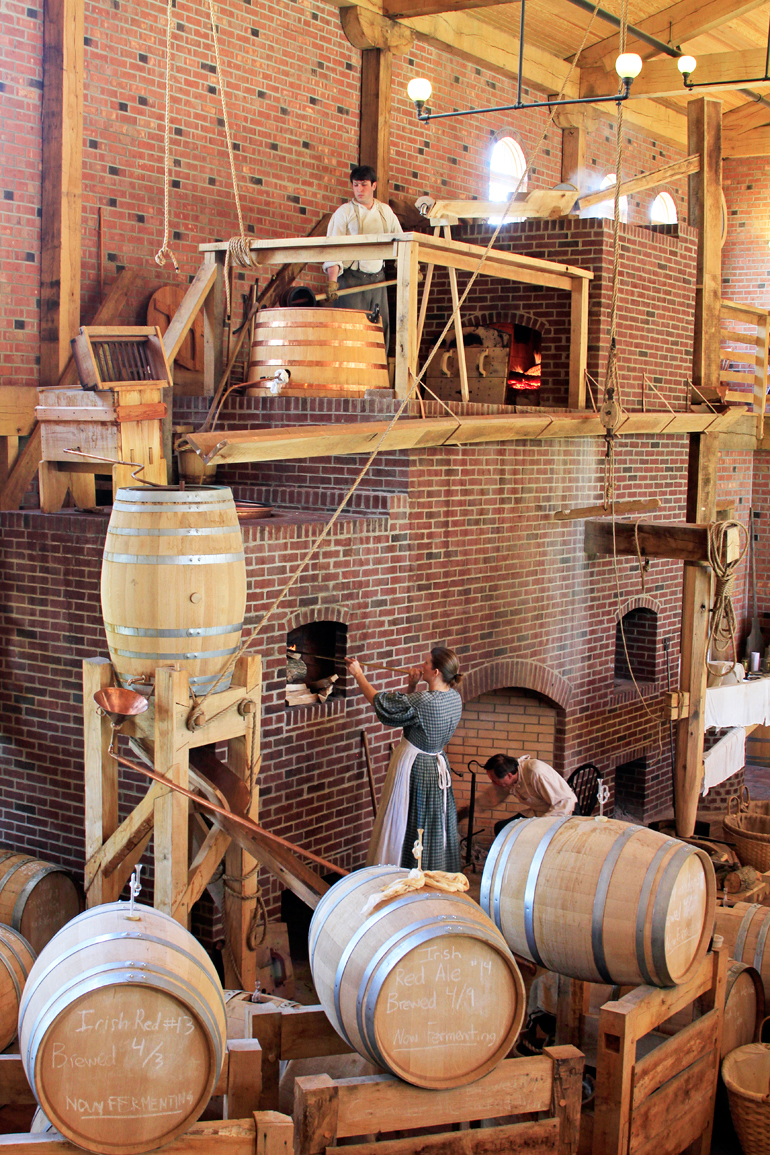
[
  {"x": 238, "y": 248},
  {"x": 164, "y": 252},
  {"x": 723, "y": 623}
]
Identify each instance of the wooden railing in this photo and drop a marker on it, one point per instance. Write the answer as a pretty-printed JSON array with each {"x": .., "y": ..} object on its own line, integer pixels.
[{"x": 743, "y": 374}]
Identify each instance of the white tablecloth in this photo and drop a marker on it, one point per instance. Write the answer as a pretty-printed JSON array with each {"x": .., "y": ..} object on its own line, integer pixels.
[
  {"x": 747, "y": 704},
  {"x": 725, "y": 758}
]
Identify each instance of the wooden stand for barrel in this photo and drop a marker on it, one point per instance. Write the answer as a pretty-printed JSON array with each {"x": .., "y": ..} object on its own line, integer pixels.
[
  {"x": 114, "y": 848},
  {"x": 326, "y": 1110}
]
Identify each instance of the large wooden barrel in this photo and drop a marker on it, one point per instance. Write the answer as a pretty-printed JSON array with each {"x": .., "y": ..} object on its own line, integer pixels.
[
  {"x": 16, "y": 959},
  {"x": 745, "y": 928},
  {"x": 325, "y": 350},
  {"x": 36, "y": 898},
  {"x": 744, "y": 1007},
  {"x": 122, "y": 1029},
  {"x": 424, "y": 986},
  {"x": 603, "y": 901},
  {"x": 173, "y": 583}
]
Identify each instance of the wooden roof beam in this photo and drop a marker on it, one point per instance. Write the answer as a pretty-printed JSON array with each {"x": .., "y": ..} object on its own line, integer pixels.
[
  {"x": 673, "y": 540},
  {"x": 717, "y": 72}
]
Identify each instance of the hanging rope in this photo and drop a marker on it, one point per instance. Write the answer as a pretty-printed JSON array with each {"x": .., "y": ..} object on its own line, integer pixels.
[
  {"x": 164, "y": 253},
  {"x": 723, "y": 623},
  {"x": 238, "y": 248}
]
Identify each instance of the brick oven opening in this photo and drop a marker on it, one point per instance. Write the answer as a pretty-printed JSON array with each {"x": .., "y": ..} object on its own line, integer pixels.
[
  {"x": 640, "y": 627},
  {"x": 503, "y": 361},
  {"x": 315, "y": 666},
  {"x": 630, "y": 787}
]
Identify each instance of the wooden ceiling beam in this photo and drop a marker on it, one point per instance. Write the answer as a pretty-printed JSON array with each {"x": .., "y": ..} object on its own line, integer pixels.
[
  {"x": 716, "y": 72},
  {"x": 754, "y": 143},
  {"x": 674, "y": 25},
  {"x": 399, "y": 9}
]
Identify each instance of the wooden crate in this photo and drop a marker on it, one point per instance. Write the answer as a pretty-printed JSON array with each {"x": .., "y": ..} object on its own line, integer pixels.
[
  {"x": 487, "y": 370},
  {"x": 327, "y": 1111},
  {"x": 109, "y": 355}
]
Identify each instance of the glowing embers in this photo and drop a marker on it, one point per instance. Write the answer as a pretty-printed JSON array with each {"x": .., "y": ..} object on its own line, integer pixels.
[{"x": 315, "y": 666}]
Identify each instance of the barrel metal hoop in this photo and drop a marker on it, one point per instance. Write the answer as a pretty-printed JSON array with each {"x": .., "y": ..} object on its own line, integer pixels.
[
  {"x": 205, "y": 493},
  {"x": 743, "y": 929},
  {"x": 418, "y": 935},
  {"x": 374, "y": 918},
  {"x": 760, "y": 947},
  {"x": 281, "y": 362},
  {"x": 202, "y": 531},
  {"x": 641, "y": 910},
  {"x": 21, "y": 901},
  {"x": 660, "y": 913},
  {"x": 191, "y": 632},
  {"x": 491, "y": 863},
  {"x": 10, "y": 969},
  {"x": 179, "y": 655},
  {"x": 6, "y": 854},
  {"x": 294, "y": 345},
  {"x": 130, "y": 507},
  {"x": 337, "y": 893},
  {"x": 600, "y": 899},
  {"x": 167, "y": 559},
  {"x": 511, "y": 833},
  {"x": 11, "y": 946},
  {"x": 9, "y": 874},
  {"x": 208, "y": 683},
  {"x": 531, "y": 885}
]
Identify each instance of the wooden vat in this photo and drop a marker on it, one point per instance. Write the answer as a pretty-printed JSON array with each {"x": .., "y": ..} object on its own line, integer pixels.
[
  {"x": 424, "y": 987},
  {"x": 325, "y": 350},
  {"x": 173, "y": 583},
  {"x": 602, "y": 901},
  {"x": 36, "y": 898},
  {"x": 16, "y": 959},
  {"x": 122, "y": 1030},
  {"x": 745, "y": 928}
]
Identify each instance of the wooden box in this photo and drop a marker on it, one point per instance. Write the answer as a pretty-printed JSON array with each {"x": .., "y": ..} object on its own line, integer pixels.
[
  {"x": 120, "y": 355},
  {"x": 487, "y": 374}
]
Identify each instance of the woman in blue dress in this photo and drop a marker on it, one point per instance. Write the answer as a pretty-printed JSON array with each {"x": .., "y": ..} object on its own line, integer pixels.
[{"x": 418, "y": 788}]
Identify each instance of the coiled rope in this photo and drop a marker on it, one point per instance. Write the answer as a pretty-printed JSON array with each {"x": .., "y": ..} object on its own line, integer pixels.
[{"x": 723, "y": 622}]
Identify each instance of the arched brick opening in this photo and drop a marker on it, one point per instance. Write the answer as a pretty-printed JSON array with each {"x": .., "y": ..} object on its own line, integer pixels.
[
  {"x": 316, "y": 638},
  {"x": 519, "y": 672},
  {"x": 637, "y": 627}
]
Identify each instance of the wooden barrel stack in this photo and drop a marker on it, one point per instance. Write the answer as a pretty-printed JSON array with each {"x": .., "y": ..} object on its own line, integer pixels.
[
  {"x": 327, "y": 351},
  {"x": 424, "y": 986},
  {"x": 122, "y": 1030},
  {"x": 173, "y": 583},
  {"x": 36, "y": 898},
  {"x": 16, "y": 959},
  {"x": 745, "y": 928},
  {"x": 601, "y": 900}
]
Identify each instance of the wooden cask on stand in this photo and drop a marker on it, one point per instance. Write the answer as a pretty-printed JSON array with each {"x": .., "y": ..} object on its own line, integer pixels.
[
  {"x": 36, "y": 898},
  {"x": 122, "y": 1030},
  {"x": 16, "y": 959},
  {"x": 424, "y": 986},
  {"x": 745, "y": 928},
  {"x": 601, "y": 900}
]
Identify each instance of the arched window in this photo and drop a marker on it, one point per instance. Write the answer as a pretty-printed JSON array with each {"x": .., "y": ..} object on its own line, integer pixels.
[
  {"x": 607, "y": 208},
  {"x": 507, "y": 165},
  {"x": 663, "y": 211}
]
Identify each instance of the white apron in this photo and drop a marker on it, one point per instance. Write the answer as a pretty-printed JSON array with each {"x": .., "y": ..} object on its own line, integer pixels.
[{"x": 387, "y": 839}]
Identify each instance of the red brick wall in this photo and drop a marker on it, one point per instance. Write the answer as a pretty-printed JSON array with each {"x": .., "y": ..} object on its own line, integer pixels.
[{"x": 746, "y": 255}]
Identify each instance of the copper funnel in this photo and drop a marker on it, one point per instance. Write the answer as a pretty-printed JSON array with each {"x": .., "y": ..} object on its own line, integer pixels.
[{"x": 119, "y": 704}]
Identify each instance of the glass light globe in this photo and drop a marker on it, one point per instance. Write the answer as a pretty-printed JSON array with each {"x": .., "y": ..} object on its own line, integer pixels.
[
  {"x": 419, "y": 89},
  {"x": 628, "y": 65},
  {"x": 686, "y": 64}
]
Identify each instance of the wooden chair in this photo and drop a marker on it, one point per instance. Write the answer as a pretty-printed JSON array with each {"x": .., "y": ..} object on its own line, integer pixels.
[{"x": 584, "y": 782}]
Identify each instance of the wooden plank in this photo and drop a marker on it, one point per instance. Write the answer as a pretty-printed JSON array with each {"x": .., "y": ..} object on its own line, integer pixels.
[
  {"x": 374, "y": 121},
  {"x": 315, "y": 1114},
  {"x": 655, "y": 539},
  {"x": 458, "y": 326},
  {"x": 15, "y": 1091},
  {"x": 62, "y": 142},
  {"x": 17, "y": 410},
  {"x": 307, "y": 1032},
  {"x": 407, "y": 268},
  {"x": 717, "y": 72},
  {"x": 531, "y": 1138},
  {"x": 620, "y": 508},
  {"x": 748, "y": 314},
  {"x": 101, "y": 777},
  {"x": 704, "y": 119},
  {"x": 24, "y": 469},
  {"x": 171, "y": 809},
  {"x": 578, "y": 349},
  {"x": 183, "y": 318},
  {"x": 131, "y": 832},
  {"x": 275, "y": 1133},
  {"x": 568, "y": 1064},
  {"x": 673, "y": 1117},
  {"x": 665, "y": 175},
  {"x": 673, "y": 1056},
  {"x": 266, "y": 1026},
  {"x": 244, "y": 1078},
  {"x": 233, "y": 1137},
  {"x": 206, "y": 861},
  {"x": 107, "y": 314},
  {"x": 517, "y": 1085},
  {"x": 213, "y": 327}
]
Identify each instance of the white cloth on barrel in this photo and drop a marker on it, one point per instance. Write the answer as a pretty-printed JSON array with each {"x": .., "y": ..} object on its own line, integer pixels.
[{"x": 390, "y": 824}]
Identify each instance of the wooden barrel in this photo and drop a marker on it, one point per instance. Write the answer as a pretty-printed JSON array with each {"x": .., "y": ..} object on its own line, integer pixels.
[
  {"x": 325, "y": 350},
  {"x": 601, "y": 900},
  {"x": 745, "y": 928},
  {"x": 16, "y": 959},
  {"x": 744, "y": 1007},
  {"x": 424, "y": 986},
  {"x": 173, "y": 583},
  {"x": 41, "y": 1124},
  {"x": 36, "y": 898},
  {"x": 122, "y": 1029}
]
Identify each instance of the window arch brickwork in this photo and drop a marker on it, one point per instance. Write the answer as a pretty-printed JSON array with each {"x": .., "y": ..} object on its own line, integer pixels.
[{"x": 518, "y": 672}]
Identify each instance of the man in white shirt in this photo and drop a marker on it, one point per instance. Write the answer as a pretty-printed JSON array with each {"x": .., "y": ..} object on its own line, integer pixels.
[
  {"x": 361, "y": 214},
  {"x": 534, "y": 787}
]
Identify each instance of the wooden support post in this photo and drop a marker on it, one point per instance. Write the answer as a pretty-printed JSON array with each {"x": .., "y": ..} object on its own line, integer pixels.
[
  {"x": 407, "y": 267},
  {"x": 461, "y": 364},
  {"x": 704, "y": 138},
  {"x": 578, "y": 350},
  {"x": 171, "y": 810},
  {"x": 573, "y": 154},
  {"x": 61, "y": 167},
  {"x": 213, "y": 327},
  {"x": 244, "y": 1078},
  {"x": 243, "y": 758},
  {"x": 572, "y": 1006},
  {"x": 101, "y": 777},
  {"x": 275, "y": 1133},
  {"x": 374, "y": 140}
]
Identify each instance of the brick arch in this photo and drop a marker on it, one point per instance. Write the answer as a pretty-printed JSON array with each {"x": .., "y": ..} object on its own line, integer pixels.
[
  {"x": 520, "y": 674},
  {"x": 327, "y": 613},
  {"x": 480, "y": 320},
  {"x": 637, "y": 603}
]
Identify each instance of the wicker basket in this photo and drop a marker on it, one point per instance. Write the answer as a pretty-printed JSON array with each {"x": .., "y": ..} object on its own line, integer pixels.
[
  {"x": 747, "y": 805},
  {"x": 746, "y": 1074},
  {"x": 750, "y": 831}
]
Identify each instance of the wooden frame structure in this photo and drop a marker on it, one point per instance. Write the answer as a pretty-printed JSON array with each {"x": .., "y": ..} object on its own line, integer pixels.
[
  {"x": 113, "y": 848},
  {"x": 408, "y": 251}
]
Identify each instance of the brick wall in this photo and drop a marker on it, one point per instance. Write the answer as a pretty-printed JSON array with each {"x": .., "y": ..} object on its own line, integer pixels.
[{"x": 746, "y": 253}]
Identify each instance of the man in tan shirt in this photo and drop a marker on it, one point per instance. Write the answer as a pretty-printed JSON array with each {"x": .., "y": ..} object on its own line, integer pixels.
[{"x": 534, "y": 787}]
